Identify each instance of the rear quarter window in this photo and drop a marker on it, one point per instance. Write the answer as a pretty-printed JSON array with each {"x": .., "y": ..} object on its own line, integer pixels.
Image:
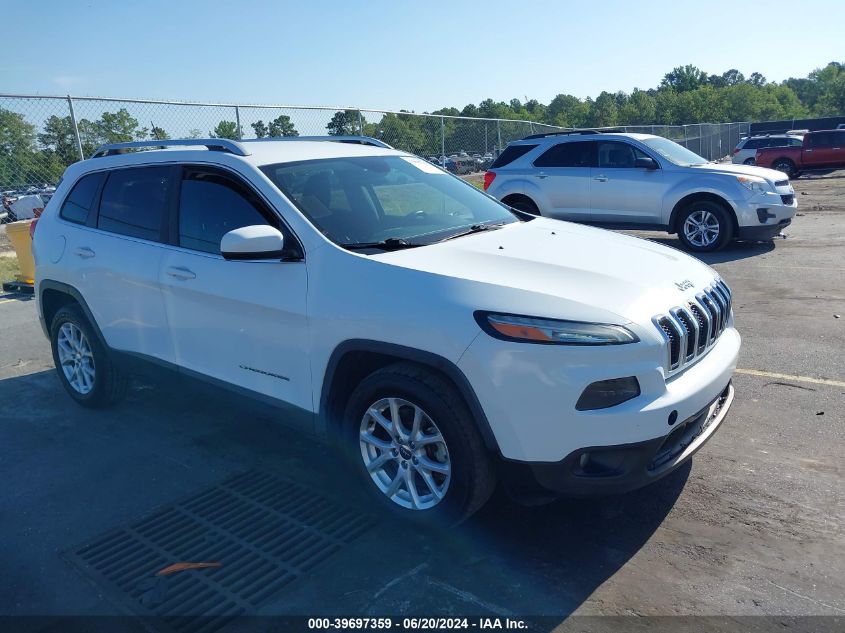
[
  {"x": 511, "y": 153},
  {"x": 79, "y": 203}
]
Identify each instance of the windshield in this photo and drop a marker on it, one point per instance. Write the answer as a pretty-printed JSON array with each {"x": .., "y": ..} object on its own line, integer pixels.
[
  {"x": 370, "y": 199},
  {"x": 673, "y": 152}
]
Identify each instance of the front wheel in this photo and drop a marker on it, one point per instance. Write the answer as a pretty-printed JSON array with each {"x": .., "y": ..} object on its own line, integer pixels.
[
  {"x": 84, "y": 367},
  {"x": 415, "y": 446},
  {"x": 704, "y": 227},
  {"x": 749, "y": 161}
]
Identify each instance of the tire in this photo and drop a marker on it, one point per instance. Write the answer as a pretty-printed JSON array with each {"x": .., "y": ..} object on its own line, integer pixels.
[
  {"x": 525, "y": 205},
  {"x": 699, "y": 215},
  {"x": 408, "y": 389},
  {"x": 786, "y": 166},
  {"x": 84, "y": 367},
  {"x": 749, "y": 161}
]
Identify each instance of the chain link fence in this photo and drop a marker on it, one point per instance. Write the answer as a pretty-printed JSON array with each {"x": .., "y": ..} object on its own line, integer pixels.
[{"x": 40, "y": 136}]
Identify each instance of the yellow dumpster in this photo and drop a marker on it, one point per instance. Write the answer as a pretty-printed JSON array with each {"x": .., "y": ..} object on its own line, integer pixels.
[{"x": 18, "y": 233}]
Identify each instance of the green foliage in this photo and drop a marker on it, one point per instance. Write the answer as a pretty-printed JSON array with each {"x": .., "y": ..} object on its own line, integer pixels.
[
  {"x": 280, "y": 126},
  {"x": 225, "y": 129},
  {"x": 158, "y": 133},
  {"x": 344, "y": 122}
]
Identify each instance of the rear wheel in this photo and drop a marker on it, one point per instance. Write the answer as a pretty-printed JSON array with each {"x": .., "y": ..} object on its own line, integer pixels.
[
  {"x": 524, "y": 204},
  {"x": 786, "y": 166},
  {"x": 415, "y": 446},
  {"x": 749, "y": 161},
  {"x": 704, "y": 226},
  {"x": 84, "y": 367}
]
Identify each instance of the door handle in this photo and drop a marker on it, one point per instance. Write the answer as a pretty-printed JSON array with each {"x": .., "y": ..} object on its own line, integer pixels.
[
  {"x": 542, "y": 174},
  {"x": 601, "y": 178},
  {"x": 181, "y": 273},
  {"x": 84, "y": 252}
]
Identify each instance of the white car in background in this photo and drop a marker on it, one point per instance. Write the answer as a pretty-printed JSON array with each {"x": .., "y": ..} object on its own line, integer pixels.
[
  {"x": 389, "y": 307},
  {"x": 746, "y": 149},
  {"x": 641, "y": 181}
]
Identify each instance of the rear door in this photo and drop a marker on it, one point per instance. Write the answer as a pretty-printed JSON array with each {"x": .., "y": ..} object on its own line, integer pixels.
[
  {"x": 116, "y": 256},
  {"x": 621, "y": 192},
  {"x": 562, "y": 173},
  {"x": 820, "y": 152},
  {"x": 240, "y": 322}
]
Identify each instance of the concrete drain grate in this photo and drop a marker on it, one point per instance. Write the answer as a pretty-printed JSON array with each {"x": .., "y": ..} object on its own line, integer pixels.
[{"x": 263, "y": 531}]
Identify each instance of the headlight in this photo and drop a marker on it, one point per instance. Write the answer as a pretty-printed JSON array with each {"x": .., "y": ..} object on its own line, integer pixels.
[
  {"x": 510, "y": 327},
  {"x": 755, "y": 184}
]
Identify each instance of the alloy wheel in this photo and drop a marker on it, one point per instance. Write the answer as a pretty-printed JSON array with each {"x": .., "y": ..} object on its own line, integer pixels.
[
  {"x": 76, "y": 358},
  {"x": 701, "y": 228},
  {"x": 405, "y": 454}
]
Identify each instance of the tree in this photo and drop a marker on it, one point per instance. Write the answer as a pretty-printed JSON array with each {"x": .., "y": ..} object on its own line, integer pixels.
[
  {"x": 57, "y": 136},
  {"x": 344, "y": 123},
  {"x": 732, "y": 77},
  {"x": 225, "y": 129},
  {"x": 684, "y": 78},
  {"x": 158, "y": 133},
  {"x": 119, "y": 127},
  {"x": 260, "y": 129},
  {"x": 282, "y": 126},
  {"x": 604, "y": 112},
  {"x": 756, "y": 79}
]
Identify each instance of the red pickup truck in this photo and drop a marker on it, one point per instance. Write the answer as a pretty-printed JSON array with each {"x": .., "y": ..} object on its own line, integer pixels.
[{"x": 824, "y": 149}]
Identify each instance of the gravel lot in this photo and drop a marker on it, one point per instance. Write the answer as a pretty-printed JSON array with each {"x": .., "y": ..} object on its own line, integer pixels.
[{"x": 754, "y": 527}]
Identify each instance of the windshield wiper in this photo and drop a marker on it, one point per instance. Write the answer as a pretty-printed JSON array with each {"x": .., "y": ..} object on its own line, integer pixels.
[
  {"x": 390, "y": 244},
  {"x": 475, "y": 228}
]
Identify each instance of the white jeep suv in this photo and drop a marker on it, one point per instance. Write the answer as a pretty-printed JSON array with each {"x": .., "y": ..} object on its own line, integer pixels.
[
  {"x": 442, "y": 340},
  {"x": 640, "y": 181}
]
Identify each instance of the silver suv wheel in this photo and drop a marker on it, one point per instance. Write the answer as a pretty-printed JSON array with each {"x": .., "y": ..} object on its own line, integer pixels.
[
  {"x": 701, "y": 228},
  {"x": 405, "y": 453},
  {"x": 76, "y": 358}
]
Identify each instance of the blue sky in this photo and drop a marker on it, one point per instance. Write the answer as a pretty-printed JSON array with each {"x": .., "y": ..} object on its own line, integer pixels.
[{"x": 412, "y": 54}]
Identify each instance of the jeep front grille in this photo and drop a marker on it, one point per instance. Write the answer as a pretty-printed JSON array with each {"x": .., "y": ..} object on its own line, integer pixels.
[{"x": 690, "y": 330}]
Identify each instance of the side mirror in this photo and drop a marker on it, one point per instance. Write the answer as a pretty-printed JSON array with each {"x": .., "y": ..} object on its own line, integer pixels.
[
  {"x": 646, "y": 163},
  {"x": 260, "y": 241}
]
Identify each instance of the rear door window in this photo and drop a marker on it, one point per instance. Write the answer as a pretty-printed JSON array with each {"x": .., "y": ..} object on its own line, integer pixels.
[
  {"x": 78, "y": 205},
  {"x": 822, "y": 139},
  {"x": 572, "y": 154},
  {"x": 135, "y": 202}
]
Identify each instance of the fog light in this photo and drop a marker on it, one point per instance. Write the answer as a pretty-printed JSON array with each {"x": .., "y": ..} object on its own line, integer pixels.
[
  {"x": 608, "y": 393},
  {"x": 764, "y": 214}
]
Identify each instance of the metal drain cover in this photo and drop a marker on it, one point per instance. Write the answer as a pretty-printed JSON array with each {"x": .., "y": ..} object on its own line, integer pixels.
[{"x": 263, "y": 531}]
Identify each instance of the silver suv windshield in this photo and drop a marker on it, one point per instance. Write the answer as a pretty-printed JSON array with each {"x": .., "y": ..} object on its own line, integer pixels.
[
  {"x": 673, "y": 152},
  {"x": 385, "y": 201}
]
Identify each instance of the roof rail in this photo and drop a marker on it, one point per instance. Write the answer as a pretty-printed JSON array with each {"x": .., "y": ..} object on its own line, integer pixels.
[
  {"x": 215, "y": 144},
  {"x": 569, "y": 132},
  {"x": 344, "y": 138}
]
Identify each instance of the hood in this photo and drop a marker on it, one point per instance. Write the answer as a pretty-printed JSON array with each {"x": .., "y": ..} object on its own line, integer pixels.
[
  {"x": 771, "y": 175},
  {"x": 562, "y": 270}
]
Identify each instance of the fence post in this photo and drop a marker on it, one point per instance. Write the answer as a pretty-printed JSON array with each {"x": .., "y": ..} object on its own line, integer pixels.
[
  {"x": 499, "y": 132},
  {"x": 485, "y": 137},
  {"x": 238, "y": 122},
  {"x": 442, "y": 137},
  {"x": 686, "y": 143},
  {"x": 75, "y": 128},
  {"x": 360, "y": 124}
]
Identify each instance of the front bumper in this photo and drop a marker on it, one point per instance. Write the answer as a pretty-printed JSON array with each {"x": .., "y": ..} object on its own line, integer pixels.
[
  {"x": 763, "y": 232},
  {"x": 605, "y": 470}
]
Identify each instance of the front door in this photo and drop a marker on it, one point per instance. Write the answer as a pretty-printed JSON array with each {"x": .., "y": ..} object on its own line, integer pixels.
[
  {"x": 241, "y": 322},
  {"x": 622, "y": 193}
]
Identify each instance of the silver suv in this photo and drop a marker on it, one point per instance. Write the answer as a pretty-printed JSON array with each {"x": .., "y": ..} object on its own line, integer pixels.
[{"x": 641, "y": 181}]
